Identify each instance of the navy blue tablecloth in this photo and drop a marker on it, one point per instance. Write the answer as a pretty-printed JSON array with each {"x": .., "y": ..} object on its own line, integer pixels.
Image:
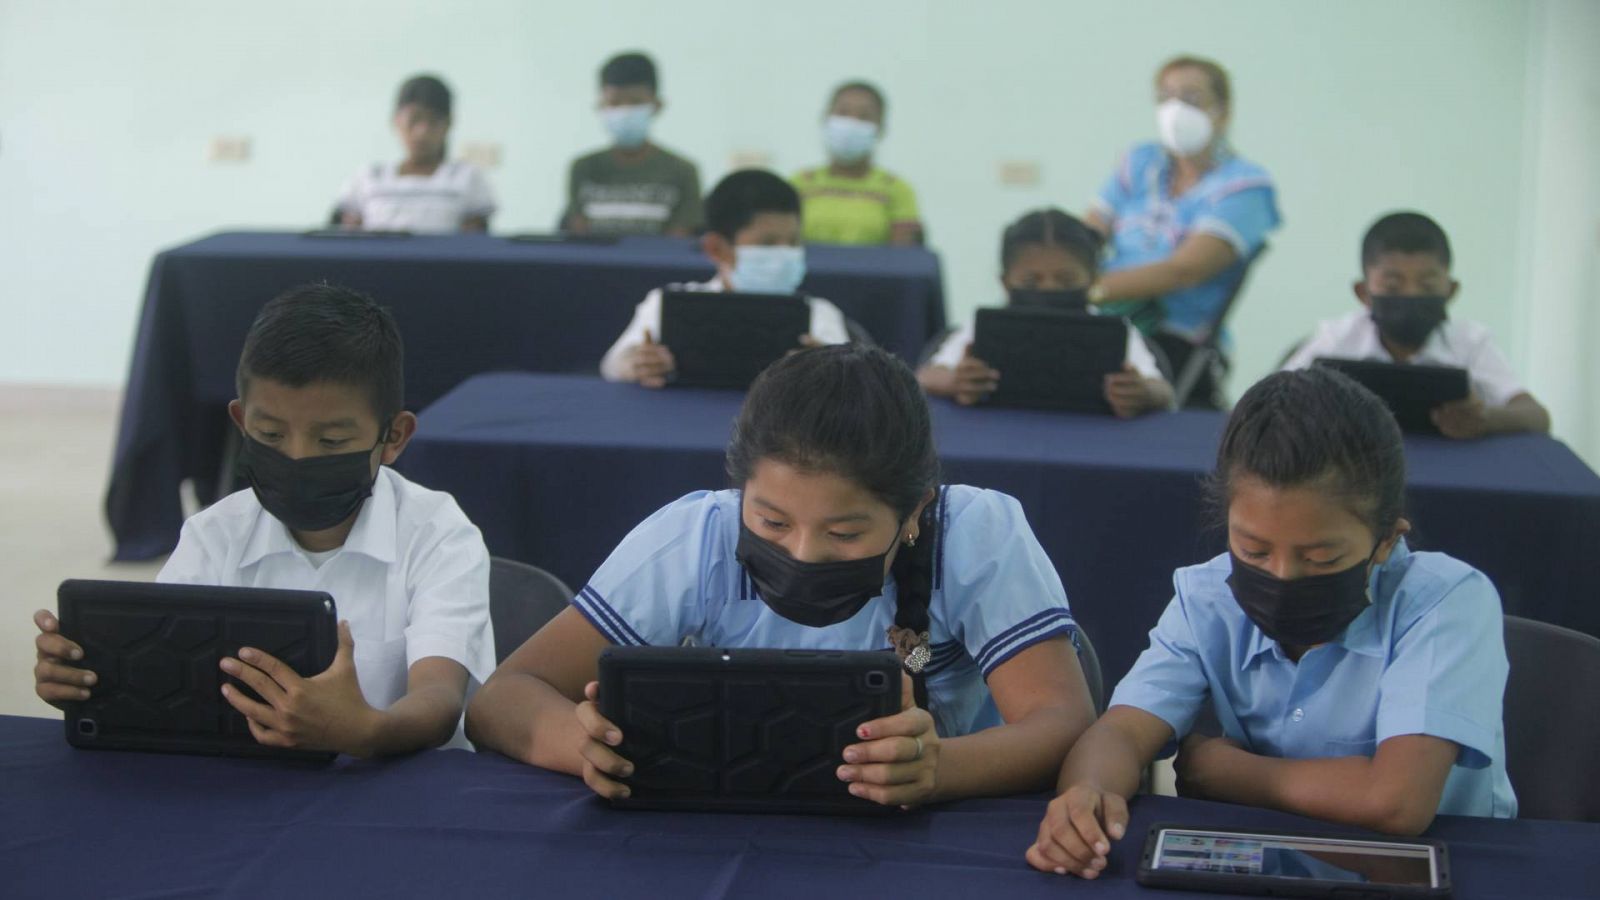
[
  {"x": 448, "y": 823},
  {"x": 556, "y": 469},
  {"x": 465, "y": 304}
]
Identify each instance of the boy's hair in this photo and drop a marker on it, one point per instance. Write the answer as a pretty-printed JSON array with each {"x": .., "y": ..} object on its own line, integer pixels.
[
  {"x": 325, "y": 333},
  {"x": 865, "y": 87},
  {"x": 426, "y": 91},
  {"x": 1315, "y": 427},
  {"x": 741, "y": 196},
  {"x": 629, "y": 70},
  {"x": 852, "y": 410},
  {"x": 1051, "y": 228},
  {"x": 1404, "y": 232},
  {"x": 1215, "y": 73}
]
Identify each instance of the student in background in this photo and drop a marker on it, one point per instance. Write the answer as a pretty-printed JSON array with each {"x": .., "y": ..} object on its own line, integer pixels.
[
  {"x": 849, "y": 200},
  {"x": 321, "y": 419},
  {"x": 1404, "y": 291},
  {"x": 837, "y": 535},
  {"x": 1354, "y": 679},
  {"x": 1052, "y": 257},
  {"x": 425, "y": 192},
  {"x": 753, "y": 238},
  {"x": 634, "y": 186}
]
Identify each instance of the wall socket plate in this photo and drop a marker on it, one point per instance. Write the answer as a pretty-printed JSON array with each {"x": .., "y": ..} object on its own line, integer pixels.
[
  {"x": 750, "y": 159},
  {"x": 483, "y": 154},
  {"x": 1019, "y": 173},
  {"x": 228, "y": 149}
]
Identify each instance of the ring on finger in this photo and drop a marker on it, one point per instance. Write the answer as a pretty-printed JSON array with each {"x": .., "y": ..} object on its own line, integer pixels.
[{"x": 919, "y": 747}]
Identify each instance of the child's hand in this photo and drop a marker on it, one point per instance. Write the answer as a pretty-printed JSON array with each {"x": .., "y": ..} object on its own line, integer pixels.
[
  {"x": 601, "y": 764},
  {"x": 975, "y": 381},
  {"x": 323, "y": 712},
  {"x": 56, "y": 682},
  {"x": 1128, "y": 392},
  {"x": 651, "y": 363},
  {"x": 897, "y": 762},
  {"x": 1462, "y": 419},
  {"x": 1077, "y": 831},
  {"x": 1198, "y": 757}
]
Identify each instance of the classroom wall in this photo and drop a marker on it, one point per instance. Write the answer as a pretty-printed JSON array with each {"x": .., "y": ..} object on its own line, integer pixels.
[{"x": 1357, "y": 107}]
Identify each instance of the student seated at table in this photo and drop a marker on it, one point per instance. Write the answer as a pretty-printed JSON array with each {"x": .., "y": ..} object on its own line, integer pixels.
[
  {"x": 1404, "y": 290},
  {"x": 1354, "y": 679},
  {"x": 753, "y": 238},
  {"x": 425, "y": 192},
  {"x": 634, "y": 186},
  {"x": 836, "y": 535},
  {"x": 849, "y": 200},
  {"x": 1051, "y": 253},
  {"x": 321, "y": 421}
]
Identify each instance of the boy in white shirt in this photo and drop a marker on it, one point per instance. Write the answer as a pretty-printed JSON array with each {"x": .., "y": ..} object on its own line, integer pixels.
[
  {"x": 753, "y": 237},
  {"x": 320, "y": 417},
  {"x": 1405, "y": 288},
  {"x": 424, "y": 193}
]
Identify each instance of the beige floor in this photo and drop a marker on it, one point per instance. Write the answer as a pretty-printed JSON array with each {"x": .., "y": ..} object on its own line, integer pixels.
[{"x": 55, "y": 453}]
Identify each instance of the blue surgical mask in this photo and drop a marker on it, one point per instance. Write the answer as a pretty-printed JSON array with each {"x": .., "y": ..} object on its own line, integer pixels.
[
  {"x": 768, "y": 270},
  {"x": 849, "y": 140},
  {"x": 629, "y": 126}
]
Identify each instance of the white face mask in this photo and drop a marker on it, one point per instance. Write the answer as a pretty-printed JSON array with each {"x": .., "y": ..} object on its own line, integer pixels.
[
  {"x": 768, "y": 270},
  {"x": 849, "y": 140},
  {"x": 629, "y": 126},
  {"x": 1185, "y": 130}
]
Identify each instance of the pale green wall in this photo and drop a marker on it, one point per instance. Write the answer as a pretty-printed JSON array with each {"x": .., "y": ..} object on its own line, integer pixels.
[{"x": 1357, "y": 107}]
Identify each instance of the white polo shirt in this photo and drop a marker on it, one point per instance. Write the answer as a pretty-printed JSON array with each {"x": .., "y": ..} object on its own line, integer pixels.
[
  {"x": 424, "y": 204},
  {"x": 412, "y": 578},
  {"x": 827, "y": 326},
  {"x": 1464, "y": 345},
  {"x": 950, "y": 352}
]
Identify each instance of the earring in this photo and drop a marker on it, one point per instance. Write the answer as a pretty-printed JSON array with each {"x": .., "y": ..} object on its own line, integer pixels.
[{"x": 911, "y": 539}]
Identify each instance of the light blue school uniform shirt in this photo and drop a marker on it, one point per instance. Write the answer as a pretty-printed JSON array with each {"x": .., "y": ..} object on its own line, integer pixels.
[
  {"x": 675, "y": 578},
  {"x": 1426, "y": 657},
  {"x": 1235, "y": 201}
]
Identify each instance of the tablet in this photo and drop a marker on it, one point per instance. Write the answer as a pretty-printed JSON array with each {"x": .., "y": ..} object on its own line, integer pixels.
[
  {"x": 744, "y": 730},
  {"x": 154, "y": 649},
  {"x": 1411, "y": 392},
  {"x": 355, "y": 234},
  {"x": 604, "y": 240},
  {"x": 1050, "y": 359},
  {"x": 1285, "y": 864},
  {"x": 724, "y": 340}
]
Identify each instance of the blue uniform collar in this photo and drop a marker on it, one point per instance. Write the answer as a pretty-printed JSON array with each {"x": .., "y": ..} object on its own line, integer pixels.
[{"x": 1364, "y": 635}]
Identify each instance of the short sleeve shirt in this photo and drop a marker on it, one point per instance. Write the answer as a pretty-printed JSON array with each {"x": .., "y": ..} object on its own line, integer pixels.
[
  {"x": 1426, "y": 657},
  {"x": 675, "y": 578},
  {"x": 838, "y": 210},
  {"x": 425, "y": 204},
  {"x": 658, "y": 193},
  {"x": 1235, "y": 201}
]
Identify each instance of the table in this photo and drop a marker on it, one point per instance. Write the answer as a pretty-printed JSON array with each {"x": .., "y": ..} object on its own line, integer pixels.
[
  {"x": 450, "y": 823},
  {"x": 465, "y": 304},
  {"x": 556, "y": 469}
]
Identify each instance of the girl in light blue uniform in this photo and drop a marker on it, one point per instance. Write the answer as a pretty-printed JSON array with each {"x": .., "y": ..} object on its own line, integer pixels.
[
  {"x": 837, "y": 536},
  {"x": 1354, "y": 679}
]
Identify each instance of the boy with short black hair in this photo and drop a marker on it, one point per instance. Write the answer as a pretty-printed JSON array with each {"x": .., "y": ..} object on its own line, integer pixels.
[
  {"x": 321, "y": 418},
  {"x": 753, "y": 238},
  {"x": 1405, "y": 288},
  {"x": 634, "y": 186}
]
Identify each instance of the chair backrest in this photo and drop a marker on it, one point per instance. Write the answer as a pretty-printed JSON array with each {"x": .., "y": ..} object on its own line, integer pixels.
[
  {"x": 1552, "y": 721},
  {"x": 1089, "y": 661},
  {"x": 521, "y": 599},
  {"x": 1212, "y": 336},
  {"x": 858, "y": 333}
]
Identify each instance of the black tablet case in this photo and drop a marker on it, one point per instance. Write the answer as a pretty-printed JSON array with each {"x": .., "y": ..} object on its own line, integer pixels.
[
  {"x": 154, "y": 649},
  {"x": 1284, "y": 887},
  {"x": 1050, "y": 359},
  {"x": 1411, "y": 392},
  {"x": 724, "y": 340},
  {"x": 744, "y": 730}
]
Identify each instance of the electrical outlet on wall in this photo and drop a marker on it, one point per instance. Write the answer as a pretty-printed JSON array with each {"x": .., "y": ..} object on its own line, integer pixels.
[
  {"x": 228, "y": 149},
  {"x": 1019, "y": 173},
  {"x": 750, "y": 159},
  {"x": 483, "y": 154}
]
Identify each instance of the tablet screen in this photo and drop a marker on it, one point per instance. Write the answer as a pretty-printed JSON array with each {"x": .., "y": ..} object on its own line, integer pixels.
[{"x": 1281, "y": 856}]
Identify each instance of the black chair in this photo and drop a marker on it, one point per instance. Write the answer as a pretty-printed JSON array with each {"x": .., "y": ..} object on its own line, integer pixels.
[
  {"x": 1552, "y": 721},
  {"x": 1289, "y": 354},
  {"x": 1198, "y": 361},
  {"x": 521, "y": 599},
  {"x": 1089, "y": 661}
]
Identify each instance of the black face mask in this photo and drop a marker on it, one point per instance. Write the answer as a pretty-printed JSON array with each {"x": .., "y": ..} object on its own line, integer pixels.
[
  {"x": 310, "y": 494},
  {"x": 817, "y": 594},
  {"x": 1068, "y": 301},
  {"x": 1407, "y": 321},
  {"x": 1301, "y": 612}
]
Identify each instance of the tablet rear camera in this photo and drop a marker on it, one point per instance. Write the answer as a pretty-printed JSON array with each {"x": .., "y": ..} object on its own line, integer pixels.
[
  {"x": 88, "y": 727},
  {"x": 877, "y": 682}
]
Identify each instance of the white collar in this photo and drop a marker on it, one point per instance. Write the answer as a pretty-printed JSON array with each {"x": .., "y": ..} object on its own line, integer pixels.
[{"x": 372, "y": 535}]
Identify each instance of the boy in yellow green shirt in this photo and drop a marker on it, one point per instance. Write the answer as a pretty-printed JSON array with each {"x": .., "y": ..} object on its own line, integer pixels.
[{"x": 850, "y": 201}]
